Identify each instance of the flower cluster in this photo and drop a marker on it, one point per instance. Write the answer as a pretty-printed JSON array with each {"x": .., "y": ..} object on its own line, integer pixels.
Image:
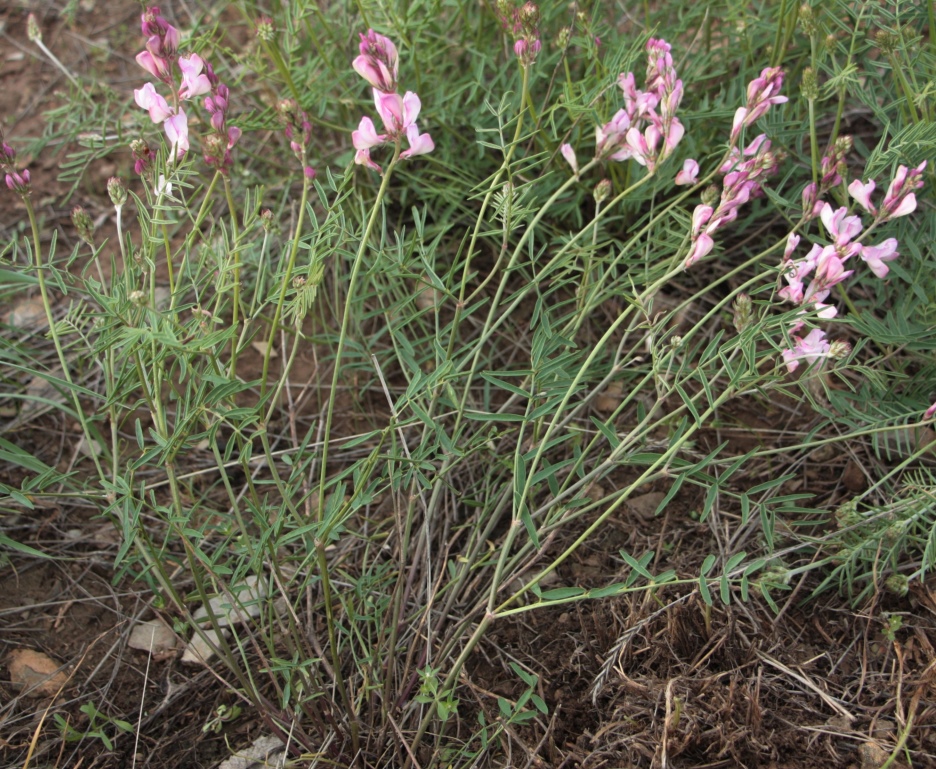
[
  {"x": 298, "y": 130},
  {"x": 523, "y": 25},
  {"x": 744, "y": 173},
  {"x": 197, "y": 78},
  {"x": 646, "y": 129},
  {"x": 825, "y": 266},
  {"x": 762, "y": 93},
  {"x": 378, "y": 64},
  {"x": 17, "y": 181},
  {"x": 832, "y": 167}
]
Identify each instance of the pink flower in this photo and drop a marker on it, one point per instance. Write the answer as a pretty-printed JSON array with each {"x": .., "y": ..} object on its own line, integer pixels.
[
  {"x": 700, "y": 248},
  {"x": 643, "y": 146},
  {"x": 362, "y": 158},
  {"x": 569, "y": 154},
  {"x": 147, "y": 98},
  {"x": 153, "y": 25},
  {"x": 396, "y": 112},
  {"x": 194, "y": 83},
  {"x": 862, "y": 193},
  {"x": 792, "y": 242},
  {"x": 175, "y": 124},
  {"x": 700, "y": 217},
  {"x": 689, "y": 173},
  {"x": 900, "y": 200},
  {"x": 810, "y": 348},
  {"x": 876, "y": 256},
  {"x": 609, "y": 138},
  {"x": 420, "y": 144},
  {"x": 930, "y": 412},
  {"x": 366, "y": 135},
  {"x": 157, "y": 66},
  {"x": 762, "y": 93},
  {"x": 176, "y": 128},
  {"x": 839, "y": 225},
  {"x": 378, "y": 63}
]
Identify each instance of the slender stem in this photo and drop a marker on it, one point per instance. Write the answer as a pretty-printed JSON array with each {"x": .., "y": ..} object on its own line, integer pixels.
[
  {"x": 345, "y": 322},
  {"x": 235, "y": 249},
  {"x": 53, "y": 332},
  {"x": 284, "y": 286}
]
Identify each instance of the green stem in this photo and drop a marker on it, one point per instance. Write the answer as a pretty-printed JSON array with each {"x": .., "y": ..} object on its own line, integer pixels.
[
  {"x": 235, "y": 249},
  {"x": 284, "y": 286},
  {"x": 345, "y": 322},
  {"x": 53, "y": 332}
]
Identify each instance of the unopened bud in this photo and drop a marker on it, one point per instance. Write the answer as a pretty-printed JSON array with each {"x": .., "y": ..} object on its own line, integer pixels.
[
  {"x": 807, "y": 19},
  {"x": 32, "y": 29},
  {"x": 886, "y": 41},
  {"x": 138, "y": 298},
  {"x": 19, "y": 182},
  {"x": 809, "y": 86},
  {"x": 828, "y": 43},
  {"x": 602, "y": 191},
  {"x": 710, "y": 195},
  {"x": 898, "y": 584},
  {"x": 298, "y": 282},
  {"x": 563, "y": 37},
  {"x": 265, "y": 28},
  {"x": 83, "y": 224},
  {"x": 843, "y": 145},
  {"x": 117, "y": 191},
  {"x": 743, "y": 312},
  {"x": 266, "y": 220},
  {"x": 529, "y": 15},
  {"x": 839, "y": 349}
]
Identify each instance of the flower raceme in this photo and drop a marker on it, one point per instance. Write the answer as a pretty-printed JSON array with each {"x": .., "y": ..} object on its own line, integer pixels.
[
  {"x": 197, "y": 78},
  {"x": 646, "y": 129},
  {"x": 378, "y": 64},
  {"x": 16, "y": 181},
  {"x": 762, "y": 93},
  {"x": 825, "y": 266}
]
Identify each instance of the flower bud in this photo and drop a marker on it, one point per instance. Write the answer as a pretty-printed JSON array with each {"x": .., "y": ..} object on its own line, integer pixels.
[
  {"x": 32, "y": 29},
  {"x": 142, "y": 156},
  {"x": 839, "y": 349},
  {"x": 809, "y": 86},
  {"x": 563, "y": 37},
  {"x": 19, "y": 182},
  {"x": 886, "y": 41},
  {"x": 743, "y": 312},
  {"x": 602, "y": 191},
  {"x": 898, "y": 584},
  {"x": 266, "y": 220},
  {"x": 117, "y": 191},
  {"x": 83, "y": 224},
  {"x": 807, "y": 19},
  {"x": 138, "y": 298},
  {"x": 710, "y": 195},
  {"x": 265, "y": 28}
]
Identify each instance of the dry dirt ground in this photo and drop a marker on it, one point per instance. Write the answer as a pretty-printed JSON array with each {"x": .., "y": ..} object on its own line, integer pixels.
[{"x": 650, "y": 681}]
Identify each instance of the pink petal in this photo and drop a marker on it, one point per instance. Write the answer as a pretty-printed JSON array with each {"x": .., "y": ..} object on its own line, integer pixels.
[
  {"x": 176, "y": 128},
  {"x": 147, "y": 98},
  {"x": 689, "y": 172},
  {"x": 366, "y": 135},
  {"x": 862, "y": 193},
  {"x": 420, "y": 144},
  {"x": 569, "y": 154}
]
